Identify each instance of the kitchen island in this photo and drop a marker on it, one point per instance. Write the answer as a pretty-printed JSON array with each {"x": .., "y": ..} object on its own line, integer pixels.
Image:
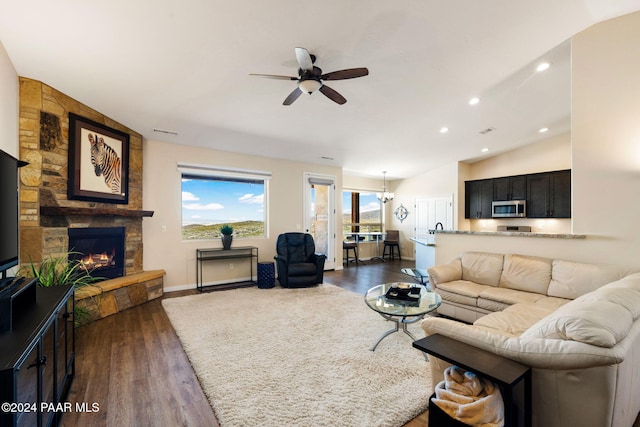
[
  {"x": 514, "y": 234},
  {"x": 449, "y": 244},
  {"x": 425, "y": 251}
]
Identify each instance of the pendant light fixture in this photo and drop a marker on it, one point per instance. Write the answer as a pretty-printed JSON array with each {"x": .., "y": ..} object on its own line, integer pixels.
[{"x": 385, "y": 196}]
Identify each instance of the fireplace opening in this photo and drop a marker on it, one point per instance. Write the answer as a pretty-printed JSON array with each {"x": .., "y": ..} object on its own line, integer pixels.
[{"x": 101, "y": 250}]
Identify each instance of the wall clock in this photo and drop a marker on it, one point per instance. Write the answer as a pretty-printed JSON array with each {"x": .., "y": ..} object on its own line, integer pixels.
[{"x": 401, "y": 213}]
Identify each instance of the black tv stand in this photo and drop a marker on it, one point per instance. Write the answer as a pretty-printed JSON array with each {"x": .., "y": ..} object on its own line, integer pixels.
[
  {"x": 16, "y": 296},
  {"x": 7, "y": 282},
  {"x": 37, "y": 360}
]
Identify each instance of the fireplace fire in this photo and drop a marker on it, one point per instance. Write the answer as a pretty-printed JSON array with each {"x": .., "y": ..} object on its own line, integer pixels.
[
  {"x": 93, "y": 261},
  {"x": 101, "y": 250}
]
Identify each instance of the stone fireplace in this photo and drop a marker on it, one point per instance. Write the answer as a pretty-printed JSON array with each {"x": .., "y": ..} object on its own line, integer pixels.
[
  {"x": 51, "y": 224},
  {"x": 101, "y": 250},
  {"x": 46, "y": 213}
]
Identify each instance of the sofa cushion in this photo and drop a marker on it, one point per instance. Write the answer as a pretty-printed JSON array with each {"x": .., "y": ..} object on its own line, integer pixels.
[
  {"x": 445, "y": 272},
  {"x": 631, "y": 281},
  {"x": 492, "y": 305},
  {"x": 513, "y": 320},
  {"x": 460, "y": 291},
  {"x": 482, "y": 267},
  {"x": 509, "y": 296},
  {"x": 571, "y": 279},
  {"x": 552, "y": 303},
  {"x": 624, "y": 297},
  {"x": 526, "y": 273},
  {"x": 600, "y": 323},
  {"x": 498, "y": 299}
]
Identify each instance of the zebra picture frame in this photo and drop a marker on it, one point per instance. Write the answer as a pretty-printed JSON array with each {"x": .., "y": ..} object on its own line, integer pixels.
[{"x": 98, "y": 162}]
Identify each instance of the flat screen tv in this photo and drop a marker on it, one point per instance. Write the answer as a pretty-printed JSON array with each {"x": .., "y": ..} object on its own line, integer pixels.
[{"x": 8, "y": 215}]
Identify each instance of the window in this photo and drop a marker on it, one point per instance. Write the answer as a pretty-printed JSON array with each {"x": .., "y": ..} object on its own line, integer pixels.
[
  {"x": 362, "y": 211},
  {"x": 212, "y": 197}
]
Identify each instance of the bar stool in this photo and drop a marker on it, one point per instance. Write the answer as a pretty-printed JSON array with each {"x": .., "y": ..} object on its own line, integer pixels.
[
  {"x": 347, "y": 246},
  {"x": 392, "y": 241}
]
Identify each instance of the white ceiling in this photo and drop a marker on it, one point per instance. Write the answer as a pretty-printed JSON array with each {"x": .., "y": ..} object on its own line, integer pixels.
[{"x": 183, "y": 65}]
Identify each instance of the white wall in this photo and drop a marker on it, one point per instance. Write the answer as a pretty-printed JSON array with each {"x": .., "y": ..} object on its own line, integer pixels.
[
  {"x": 9, "y": 94},
  {"x": 605, "y": 151},
  {"x": 606, "y": 137},
  {"x": 543, "y": 156},
  {"x": 162, "y": 194}
]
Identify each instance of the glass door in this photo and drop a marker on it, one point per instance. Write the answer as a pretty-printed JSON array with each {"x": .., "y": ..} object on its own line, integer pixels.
[{"x": 320, "y": 217}]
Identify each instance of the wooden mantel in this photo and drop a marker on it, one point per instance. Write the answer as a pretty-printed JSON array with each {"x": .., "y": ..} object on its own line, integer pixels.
[{"x": 70, "y": 211}]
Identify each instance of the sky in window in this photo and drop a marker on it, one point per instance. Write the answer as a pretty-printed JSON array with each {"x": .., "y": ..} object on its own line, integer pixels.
[
  {"x": 215, "y": 202},
  {"x": 368, "y": 202}
]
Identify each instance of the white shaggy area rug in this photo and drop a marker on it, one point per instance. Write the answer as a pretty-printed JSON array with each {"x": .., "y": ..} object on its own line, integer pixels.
[{"x": 299, "y": 357}]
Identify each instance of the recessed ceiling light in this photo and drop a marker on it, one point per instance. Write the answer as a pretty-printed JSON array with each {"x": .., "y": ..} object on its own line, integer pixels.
[
  {"x": 444, "y": 129},
  {"x": 484, "y": 150},
  {"x": 474, "y": 100},
  {"x": 543, "y": 130},
  {"x": 543, "y": 66}
]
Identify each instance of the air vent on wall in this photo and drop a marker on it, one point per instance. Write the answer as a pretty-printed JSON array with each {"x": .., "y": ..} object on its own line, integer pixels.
[
  {"x": 169, "y": 132},
  {"x": 487, "y": 130}
]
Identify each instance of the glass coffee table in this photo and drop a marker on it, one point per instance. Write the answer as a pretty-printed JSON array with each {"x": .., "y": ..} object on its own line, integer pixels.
[{"x": 401, "y": 312}]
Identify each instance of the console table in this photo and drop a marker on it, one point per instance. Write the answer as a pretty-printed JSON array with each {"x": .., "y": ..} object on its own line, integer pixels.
[
  {"x": 505, "y": 372},
  {"x": 217, "y": 254}
]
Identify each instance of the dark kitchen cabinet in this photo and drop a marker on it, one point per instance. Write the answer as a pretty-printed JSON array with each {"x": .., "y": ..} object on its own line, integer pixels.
[
  {"x": 37, "y": 359},
  {"x": 478, "y": 198},
  {"x": 510, "y": 188},
  {"x": 549, "y": 195}
]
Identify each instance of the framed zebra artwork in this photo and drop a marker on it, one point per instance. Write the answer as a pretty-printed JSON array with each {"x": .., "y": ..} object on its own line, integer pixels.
[{"x": 98, "y": 162}]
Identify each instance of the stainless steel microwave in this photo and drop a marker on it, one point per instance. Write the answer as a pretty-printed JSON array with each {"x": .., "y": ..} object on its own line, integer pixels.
[{"x": 509, "y": 209}]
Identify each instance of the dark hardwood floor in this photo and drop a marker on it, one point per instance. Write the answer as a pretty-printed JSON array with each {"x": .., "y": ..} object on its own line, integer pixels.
[{"x": 132, "y": 364}]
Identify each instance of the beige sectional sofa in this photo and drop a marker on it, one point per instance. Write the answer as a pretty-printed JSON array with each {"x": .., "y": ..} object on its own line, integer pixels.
[{"x": 575, "y": 324}]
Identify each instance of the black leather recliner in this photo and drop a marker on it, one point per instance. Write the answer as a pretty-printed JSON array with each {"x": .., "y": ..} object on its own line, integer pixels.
[{"x": 297, "y": 263}]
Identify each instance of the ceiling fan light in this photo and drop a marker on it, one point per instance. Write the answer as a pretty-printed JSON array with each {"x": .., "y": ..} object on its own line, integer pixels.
[{"x": 309, "y": 86}]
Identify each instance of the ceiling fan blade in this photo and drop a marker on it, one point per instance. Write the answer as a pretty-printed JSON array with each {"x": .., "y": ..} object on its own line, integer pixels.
[
  {"x": 292, "y": 97},
  {"x": 273, "y": 76},
  {"x": 333, "y": 95},
  {"x": 304, "y": 59},
  {"x": 350, "y": 73}
]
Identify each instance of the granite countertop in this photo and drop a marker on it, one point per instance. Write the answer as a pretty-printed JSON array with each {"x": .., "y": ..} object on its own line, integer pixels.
[
  {"x": 514, "y": 234},
  {"x": 425, "y": 241}
]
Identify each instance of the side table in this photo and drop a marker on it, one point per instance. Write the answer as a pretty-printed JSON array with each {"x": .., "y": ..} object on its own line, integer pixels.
[
  {"x": 216, "y": 254},
  {"x": 505, "y": 372}
]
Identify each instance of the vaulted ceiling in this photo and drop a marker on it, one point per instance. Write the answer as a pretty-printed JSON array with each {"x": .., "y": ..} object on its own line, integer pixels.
[{"x": 183, "y": 67}]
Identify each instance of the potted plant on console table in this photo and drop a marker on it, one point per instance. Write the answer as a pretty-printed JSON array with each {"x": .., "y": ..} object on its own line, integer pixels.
[{"x": 227, "y": 236}]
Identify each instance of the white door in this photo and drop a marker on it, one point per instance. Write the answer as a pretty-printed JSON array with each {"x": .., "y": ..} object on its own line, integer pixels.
[
  {"x": 320, "y": 215},
  {"x": 431, "y": 211}
]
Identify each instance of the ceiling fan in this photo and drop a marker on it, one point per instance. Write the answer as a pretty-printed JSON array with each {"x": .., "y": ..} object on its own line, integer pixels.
[{"x": 310, "y": 78}]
